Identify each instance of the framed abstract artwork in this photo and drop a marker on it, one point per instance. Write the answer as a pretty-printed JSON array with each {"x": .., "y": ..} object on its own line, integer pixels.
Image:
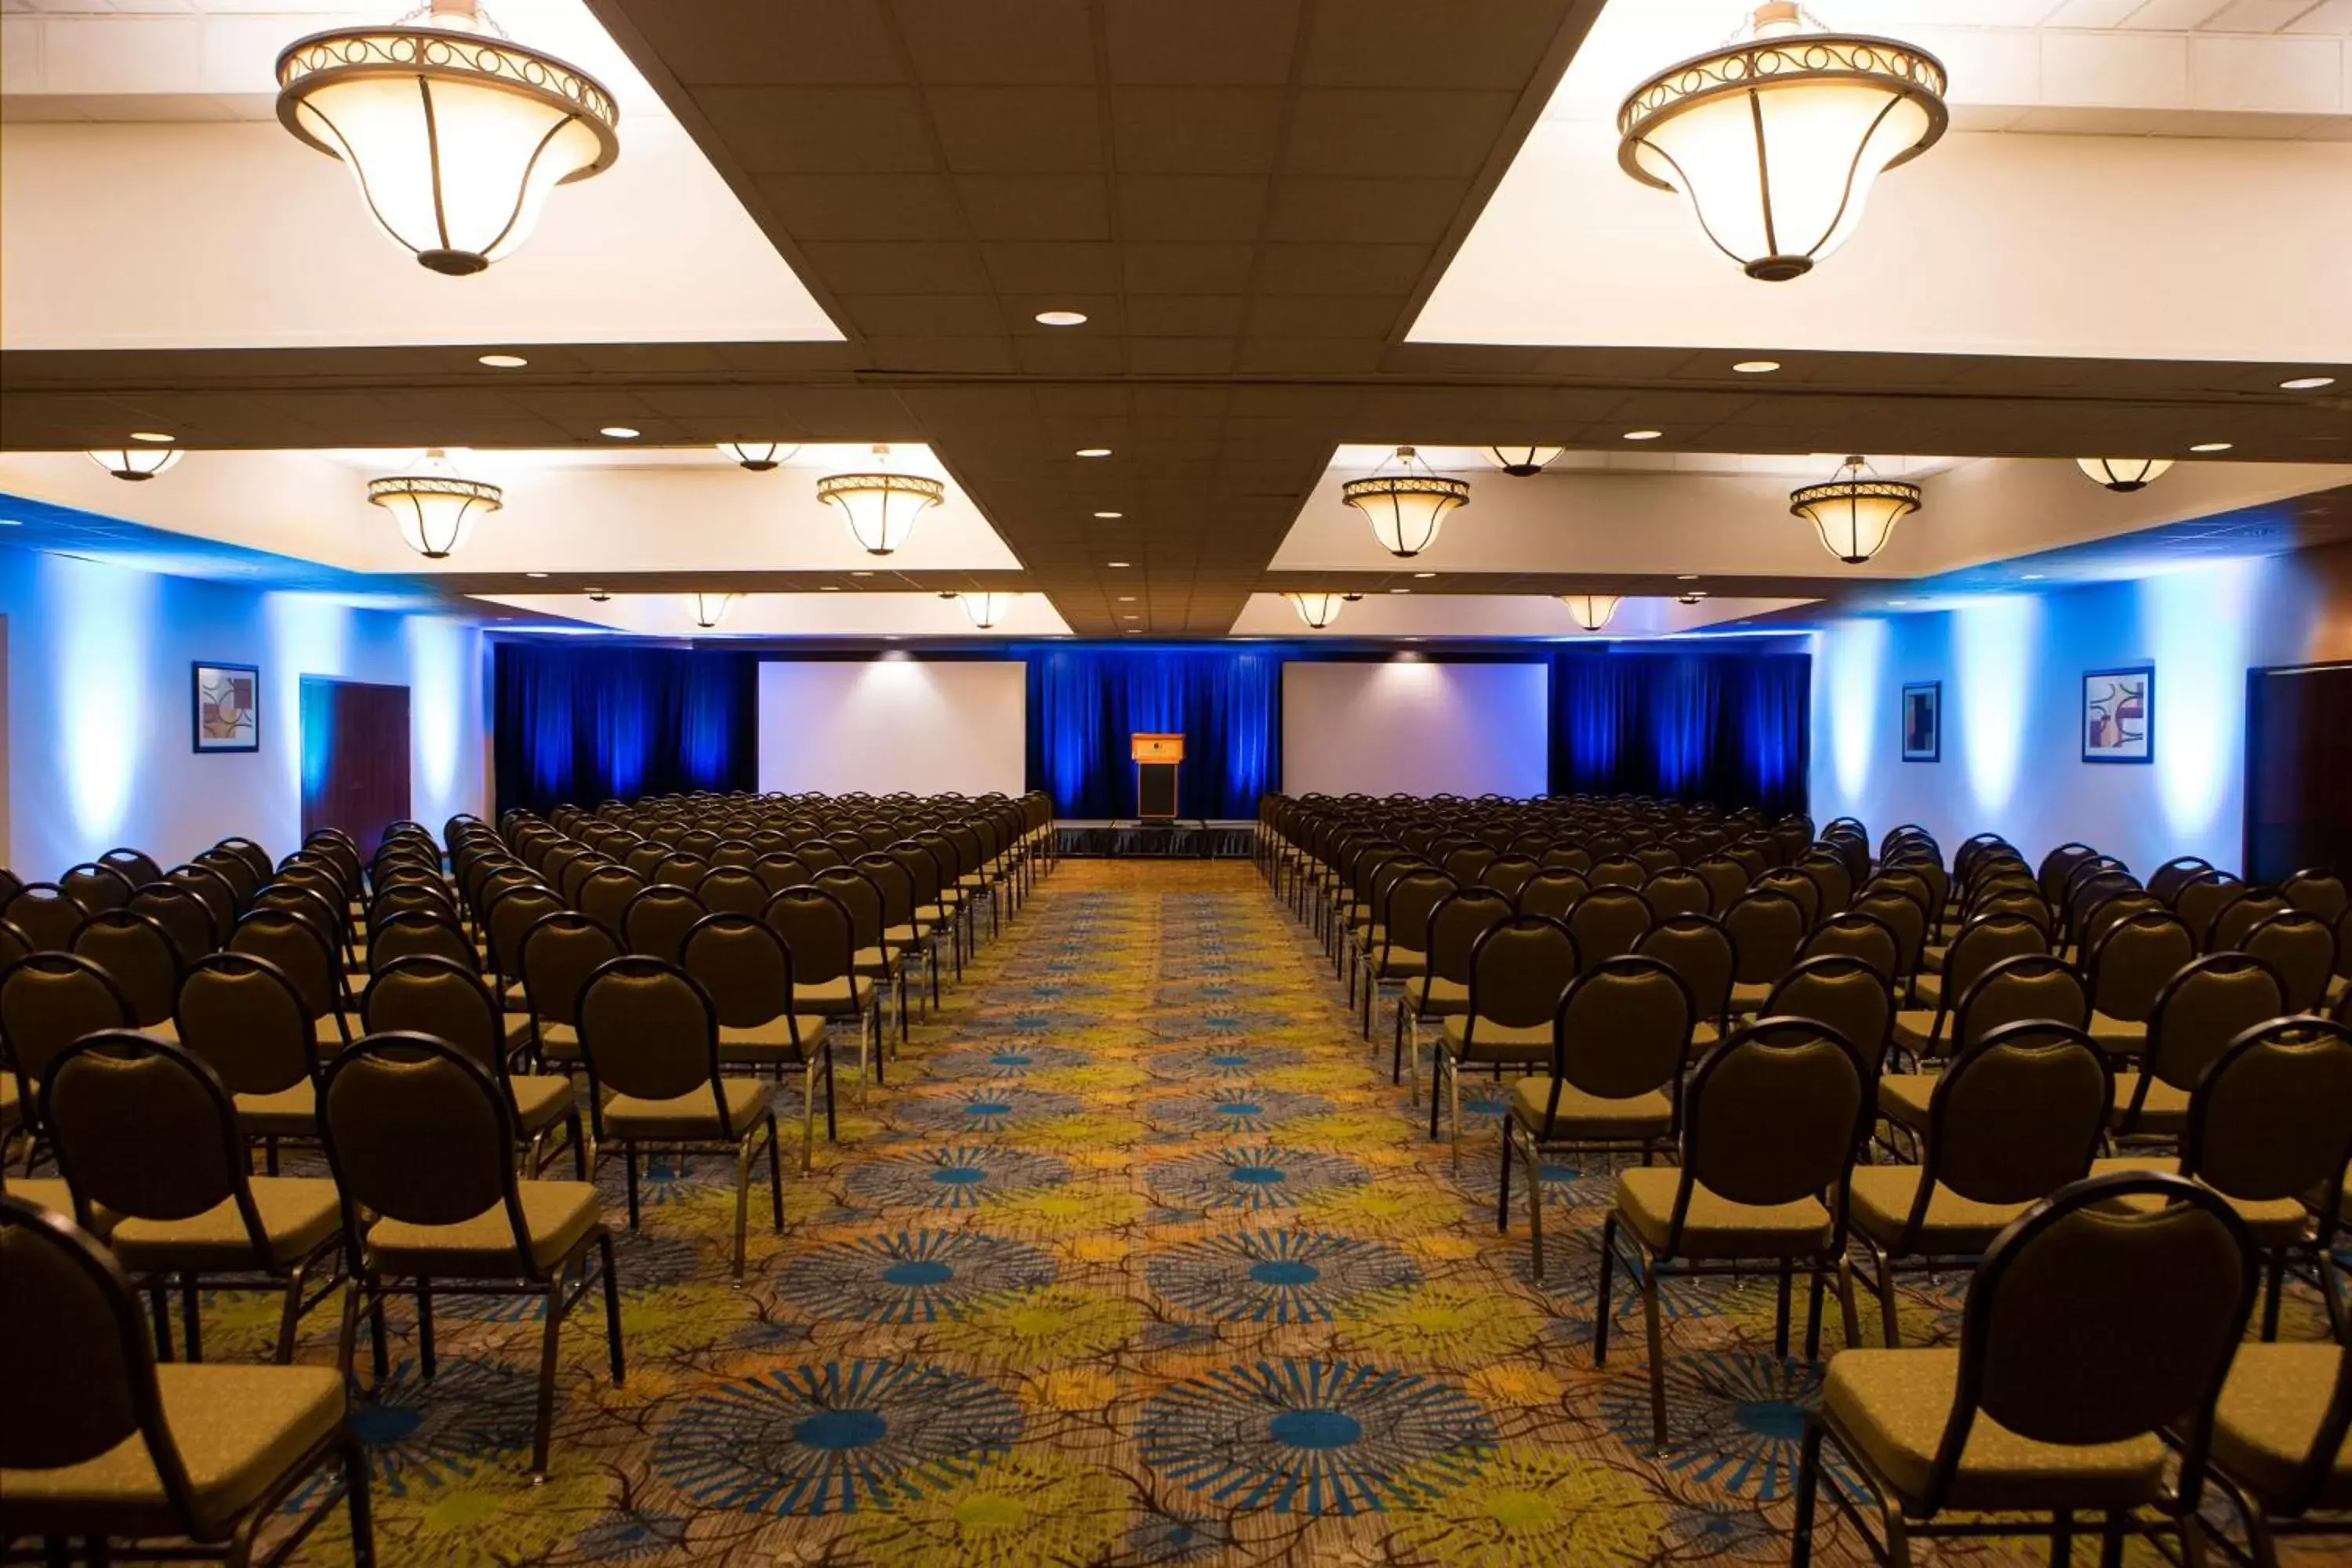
[
  {"x": 1923, "y": 722},
  {"x": 2119, "y": 715},
  {"x": 224, "y": 707}
]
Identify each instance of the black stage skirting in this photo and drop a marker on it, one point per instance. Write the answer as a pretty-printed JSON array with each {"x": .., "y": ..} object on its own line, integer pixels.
[{"x": 1188, "y": 839}]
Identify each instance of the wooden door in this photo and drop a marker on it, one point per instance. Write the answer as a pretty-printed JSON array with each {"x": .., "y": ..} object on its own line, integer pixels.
[{"x": 356, "y": 760}]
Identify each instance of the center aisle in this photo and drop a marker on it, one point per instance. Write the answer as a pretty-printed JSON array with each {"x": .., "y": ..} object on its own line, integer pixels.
[{"x": 1140, "y": 1260}]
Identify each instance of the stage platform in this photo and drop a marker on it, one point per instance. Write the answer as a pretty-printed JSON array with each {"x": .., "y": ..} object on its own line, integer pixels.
[{"x": 1186, "y": 838}]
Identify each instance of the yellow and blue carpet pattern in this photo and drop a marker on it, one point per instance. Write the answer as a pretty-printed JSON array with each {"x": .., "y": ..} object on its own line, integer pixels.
[{"x": 1140, "y": 1260}]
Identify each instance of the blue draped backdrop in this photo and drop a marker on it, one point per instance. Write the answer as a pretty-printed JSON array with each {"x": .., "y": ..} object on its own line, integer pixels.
[
  {"x": 588, "y": 724},
  {"x": 585, "y": 725},
  {"x": 1085, "y": 702},
  {"x": 1729, "y": 727}
]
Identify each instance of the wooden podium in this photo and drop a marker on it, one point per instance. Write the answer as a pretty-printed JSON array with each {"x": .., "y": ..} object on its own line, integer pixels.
[{"x": 1157, "y": 758}]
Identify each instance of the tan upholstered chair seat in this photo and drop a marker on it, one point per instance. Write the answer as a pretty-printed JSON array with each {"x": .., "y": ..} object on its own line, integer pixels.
[
  {"x": 2275, "y": 1222},
  {"x": 330, "y": 1038},
  {"x": 2269, "y": 1418},
  {"x": 1446, "y": 997},
  {"x": 1749, "y": 995},
  {"x": 935, "y": 914},
  {"x": 1902, "y": 1097},
  {"x": 1928, "y": 990},
  {"x": 558, "y": 1215},
  {"x": 518, "y": 1027},
  {"x": 1496, "y": 1042},
  {"x": 2166, "y": 1109},
  {"x": 1704, "y": 1037},
  {"x": 1584, "y": 1115},
  {"x": 1402, "y": 963},
  {"x": 690, "y": 1115},
  {"x": 1716, "y": 1227},
  {"x": 1915, "y": 1031},
  {"x": 2337, "y": 986},
  {"x": 51, "y": 1192},
  {"x": 9, "y": 1113},
  {"x": 288, "y": 1113},
  {"x": 238, "y": 1430},
  {"x": 541, "y": 1100},
  {"x": 1931, "y": 957},
  {"x": 298, "y": 1213},
  {"x": 1891, "y": 1406},
  {"x": 772, "y": 1041},
  {"x": 1955, "y": 1227},
  {"x": 558, "y": 1042},
  {"x": 873, "y": 961},
  {"x": 834, "y": 997},
  {"x": 2125, "y": 1037}
]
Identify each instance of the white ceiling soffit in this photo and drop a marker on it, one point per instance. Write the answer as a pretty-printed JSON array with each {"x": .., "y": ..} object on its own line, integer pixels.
[
  {"x": 2154, "y": 239},
  {"x": 558, "y": 516},
  {"x": 1499, "y": 616},
  {"x": 1739, "y": 525},
  {"x": 795, "y": 614},
  {"x": 220, "y": 230}
]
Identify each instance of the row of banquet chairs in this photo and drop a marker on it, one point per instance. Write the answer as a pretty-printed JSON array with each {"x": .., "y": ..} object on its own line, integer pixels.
[{"x": 1919, "y": 1071}]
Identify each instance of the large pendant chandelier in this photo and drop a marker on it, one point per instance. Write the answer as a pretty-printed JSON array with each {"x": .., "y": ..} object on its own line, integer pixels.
[
  {"x": 986, "y": 609},
  {"x": 760, "y": 455},
  {"x": 1777, "y": 136},
  {"x": 1407, "y": 503},
  {"x": 455, "y": 134},
  {"x": 1592, "y": 611},
  {"x": 434, "y": 508},
  {"x": 709, "y": 609},
  {"x": 1856, "y": 513},
  {"x": 136, "y": 463},
  {"x": 881, "y": 505},
  {"x": 2124, "y": 474},
  {"x": 1521, "y": 461},
  {"x": 1320, "y": 610}
]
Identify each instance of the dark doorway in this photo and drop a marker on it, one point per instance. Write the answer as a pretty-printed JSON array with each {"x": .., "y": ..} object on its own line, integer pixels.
[
  {"x": 354, "y": 758},
  {"x": 2298, "y": 756}
]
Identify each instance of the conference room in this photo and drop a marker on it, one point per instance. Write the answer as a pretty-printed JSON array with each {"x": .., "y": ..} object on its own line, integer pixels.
[{"x": 1253, "y": 784}]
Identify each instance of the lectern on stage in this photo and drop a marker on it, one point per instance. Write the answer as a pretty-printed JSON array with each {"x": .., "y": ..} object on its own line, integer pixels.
[{"x": 1157, "y": 758}]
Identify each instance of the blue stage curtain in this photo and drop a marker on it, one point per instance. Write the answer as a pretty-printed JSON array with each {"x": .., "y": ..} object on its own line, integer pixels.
[
  {"x": 1085, "y": 702},
  {"x": 1727, "y": 727},
  {"x": 583, "y": 725}
]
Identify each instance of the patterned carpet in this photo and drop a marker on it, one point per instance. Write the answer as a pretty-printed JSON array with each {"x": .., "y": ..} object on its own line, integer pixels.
[{"x": 1139, "y": 1261}]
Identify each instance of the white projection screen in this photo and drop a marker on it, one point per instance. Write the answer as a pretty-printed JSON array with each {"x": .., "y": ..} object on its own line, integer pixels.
[
  {"x": 1414, "y": 727},
  {"x": 884, "y": 724}
]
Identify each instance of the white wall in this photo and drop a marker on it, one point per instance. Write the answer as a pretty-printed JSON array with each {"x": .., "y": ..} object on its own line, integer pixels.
[
  {"x": 1415, "y": 726},
  {"x": 884, "y": 724},
  {"x": 98, "y": 709},
  {"x": 2012, "y": 667}
]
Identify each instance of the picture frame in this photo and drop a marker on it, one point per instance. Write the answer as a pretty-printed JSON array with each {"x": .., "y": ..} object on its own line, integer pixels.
[
  {"x": 2118, "y": 717},
  {"x": 224, "y": 707},
  {"x": 1923, "y": 722}
]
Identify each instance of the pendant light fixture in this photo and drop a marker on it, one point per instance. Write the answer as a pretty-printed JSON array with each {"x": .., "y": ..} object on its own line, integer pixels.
[
  {"x": 881, "y": 505},
  {"x": 1592, "y": 611},
  {"x": 455, "y": 134},
  {"x": 709, "y": 609},
  {"x": 1777, "y": 136},
  {"x": 2124, "y": 474},
  {"x": 600, "y": 596},
  {"x": 435, "y": 509},
  {"x": 1406, "y": 501},
  {"x": 1521, "y": 461},
  {"x": 1855, "y": 513},
  {"x": 136, "y": 463},
  {"x": 760, "y": 455},
  {"x": 986, "y": 609},
  {"x": 1318, "y": 610}
]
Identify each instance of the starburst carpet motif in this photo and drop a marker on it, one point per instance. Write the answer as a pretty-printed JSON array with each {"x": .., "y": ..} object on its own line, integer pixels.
[{"x": 1140, "y": 1261}]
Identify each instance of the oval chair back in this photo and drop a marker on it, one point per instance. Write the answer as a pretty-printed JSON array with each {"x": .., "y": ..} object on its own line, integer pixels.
[
  {"x": 1847, "y": 994},
  {"x": 2317, "y": 892},
  {"x": 2201, "y": 1010},
  {"x": 2130, "y": 962},
  {"x": 246, "y": 1018},
  {"x": 2018, "y": 1113},
  {"x": 1553, "y": 891},
  {"x": 1698, "y": 950},
  {"x": 48, "y": 1001},
  {"x": 146, "y": 1130},
  {"x": 1852, "y": 934},
  {"x": 1677, "y": 891},
  {"x": 657, "y": 921},
  {"x": 141, "y": 957},
  {"x": 744, "y": 967},
  {"x": 1773, "y": 1115},
  {"x": 1610, "y": 921},
  {"x": 559, "y": 954},
  {"x": 426, "y": 995},
  {"x": 1768, "y": 931},
  {"x": 649, "y": 1032},
  {"x": 2298, "y": 946},
  {"x": 1519, "y": 971},
  {"x": 1622, "y": 1029},
  {"x": 418, "y": 1131},
  {"x": 413, "y": 933},
  {"x": 2272, "y": 1118},
  {"x": 47, "y": 916}
]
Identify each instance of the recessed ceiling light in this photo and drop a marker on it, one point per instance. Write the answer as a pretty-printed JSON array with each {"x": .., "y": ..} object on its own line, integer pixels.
[
  {"x": 1092, "y": 452},
  {"x": 1114, "y": 562},
  {"x": 861, "y": 573},
  {"x": 2034, "y": 577},
  {"x": 1110, "y": 515},
  {"x": 828, "y": 588},
  {"x": 1425, "y": 573},
  {"x": 534, "y": 573},
  {"x": 2210, "y": 447},
  {"x": 2307, "y": 384},
  {"x": 1644, "y": 435},
  {"x": 1757, "y": 366},
  {"x": 151, "y": 436},
  {"x": 1127, "y": 598},
  {"x": 1130, "y": 617},
  {"x": 1060, "y": 318},
  {"x": 503, "y": 362},
  {"x": 1135, "y": 631},
  {"x": 1686, "y": 577},
  {"x": 1400, "y": 589},
  {"x": 618, "y": 432}
]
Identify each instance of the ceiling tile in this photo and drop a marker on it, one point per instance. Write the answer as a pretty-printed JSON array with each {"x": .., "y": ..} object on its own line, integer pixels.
[
  {"x": 809, "y": 130},
  {"x": 770, "y": 41},
  {"x": 1034, "y": 266},
  {"x": 1190, "y": 206},
  {"x": 1371, "y": 211},
  {"x": 861, "y": 206},
  {"x": 1196, "y": 130},
  {"x": 896, "y": 268},
  {"x": 1018, "y": 130},
  {"x": 1010, "y": 41},
  {"x": 1351, "y": 130},
  {"x": 1035, "y": 206},
  {"x": 1167, "y": 268},
  {"x": 1318, "y": 269},
  {"x": 911, "y": 315},
  {"x": 1362, "y": 316},
  {"x": 1411, "y": 43},
  {"x": 1181, "y": 356},
  {"x": 1201, "y": 40}
]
